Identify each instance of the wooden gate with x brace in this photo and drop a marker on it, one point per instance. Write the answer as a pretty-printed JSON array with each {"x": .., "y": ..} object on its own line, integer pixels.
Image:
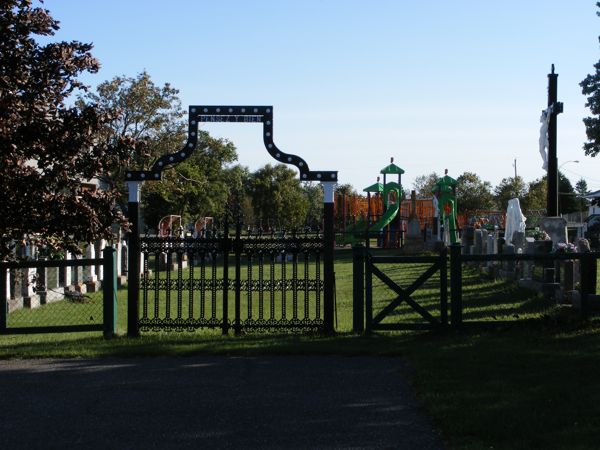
[{"x": 374, "y": 267}]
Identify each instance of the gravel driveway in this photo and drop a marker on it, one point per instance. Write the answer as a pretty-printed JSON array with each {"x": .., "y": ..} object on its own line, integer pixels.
[{"x": 208, "y": 402}]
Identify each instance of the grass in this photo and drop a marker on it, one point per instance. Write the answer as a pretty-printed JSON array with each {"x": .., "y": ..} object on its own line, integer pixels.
[{"x": 524, "y": 384}]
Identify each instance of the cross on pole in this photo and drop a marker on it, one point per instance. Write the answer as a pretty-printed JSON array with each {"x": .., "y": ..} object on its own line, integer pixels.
[{"x": 554, "y": 109}]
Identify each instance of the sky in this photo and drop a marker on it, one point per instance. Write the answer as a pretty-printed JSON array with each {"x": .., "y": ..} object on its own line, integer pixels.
[{"x": 457, "y": 85}]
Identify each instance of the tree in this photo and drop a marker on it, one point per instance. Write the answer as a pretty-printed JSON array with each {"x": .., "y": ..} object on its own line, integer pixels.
[
  {"x": 314, "y": 197},
  {"x": 277, "y": 197},
  {"x": 48, "y": 149},
  {"x": 537, "y": 195},
  {"x": 149, "y": 113},
  {"x": 512, "y": 187},
  {"x": 567, "y": 198},
  {"x": 197, "y": 187},
  {"x": 581, "y": 188},
  {"x": 423, "y": 185},
  {"x": 473, "y": 194},
  {"x": 590, "y": 87},
  {"x": 345, "y": 189}
]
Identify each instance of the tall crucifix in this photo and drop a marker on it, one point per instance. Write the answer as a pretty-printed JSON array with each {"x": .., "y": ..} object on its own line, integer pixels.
[{"x": 549, "y": 116}]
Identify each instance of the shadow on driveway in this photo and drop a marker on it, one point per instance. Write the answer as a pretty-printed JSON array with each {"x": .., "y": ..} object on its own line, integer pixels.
[{"x": 211, "y": 402}]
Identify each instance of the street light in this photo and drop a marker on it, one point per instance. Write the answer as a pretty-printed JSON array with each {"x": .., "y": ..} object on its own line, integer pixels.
[{"x": 566, "y": 162}]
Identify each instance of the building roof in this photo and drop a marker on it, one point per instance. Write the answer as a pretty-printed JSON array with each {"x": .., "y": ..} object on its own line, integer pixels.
[{"x": 595, "y": 194}]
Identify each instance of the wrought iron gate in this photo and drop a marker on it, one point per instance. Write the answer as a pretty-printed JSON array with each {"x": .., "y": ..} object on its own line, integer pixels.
[
  {"x": 245, "y": 281},
  {"x": 302, "y": 311}
]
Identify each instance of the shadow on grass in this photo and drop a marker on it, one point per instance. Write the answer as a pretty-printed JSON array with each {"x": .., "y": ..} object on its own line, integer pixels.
[{"x": 528, "y": 385}]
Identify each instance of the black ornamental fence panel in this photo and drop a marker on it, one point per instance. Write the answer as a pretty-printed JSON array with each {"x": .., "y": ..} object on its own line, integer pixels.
[{"x": 233, "y": 281}]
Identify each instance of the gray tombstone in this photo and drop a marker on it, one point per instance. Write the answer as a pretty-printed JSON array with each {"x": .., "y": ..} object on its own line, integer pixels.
[
  {"x": 583, "y": 246},
  {"x": 518, "y": 240},
  {"x": 492, "y": 245},
  {"x": 484, "y": 241},
  {"x": 30, "y": 298},
  {"x": 478, "y": 250},
  {"x": 468, "y": 235},
  {"x": 509, "y": 249},
  {"x": 556, "y": 227}
]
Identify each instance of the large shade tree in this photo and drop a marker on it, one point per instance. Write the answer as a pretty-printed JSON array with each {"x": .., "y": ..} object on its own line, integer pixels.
[
  {"x": 535, "y": 196},
  {"x": 148, "y": 112},
  {"x": 472, "y": 193},
  {"x": 423, "y": 185},
  {"x": 512, "y": 187},
  {"x": 590, "y": 87},
  {"x": 581, "y": 189},
  {"x": 277, "y": 197},
  {"x": 198, "y": 187},
  {"x": 153, "y": 114},
  {"x": 47, "y": 147}
]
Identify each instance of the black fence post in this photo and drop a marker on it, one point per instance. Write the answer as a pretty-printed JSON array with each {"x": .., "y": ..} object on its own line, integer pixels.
[
  {"x": 226, "y": 249},
  {"x": 328, "y": 269},
  {"x": 444, "y": 286},
  {"x": 368, "y": 294},
  {"x": 358, "y": 288},
  {"x": 3, "y": 300},
  {"x": 133, "y": 256},
  {"x": 456, "y": 285},
  {"x": 109, "y": 291},
  {"x": 237, "y": 248},
  {"x": 588, "y": 282}
]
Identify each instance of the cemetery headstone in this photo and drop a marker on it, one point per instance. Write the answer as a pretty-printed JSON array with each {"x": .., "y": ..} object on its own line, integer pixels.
[{"x": 556, "y": 227}]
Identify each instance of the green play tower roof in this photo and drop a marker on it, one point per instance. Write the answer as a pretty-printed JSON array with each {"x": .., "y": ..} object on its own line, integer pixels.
[
  {"x": 377, "y": 187},
  {"x": 392, "y": 169}
]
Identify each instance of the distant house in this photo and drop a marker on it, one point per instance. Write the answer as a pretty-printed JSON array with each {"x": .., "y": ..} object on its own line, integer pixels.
[{"x": 594, "y": 207}]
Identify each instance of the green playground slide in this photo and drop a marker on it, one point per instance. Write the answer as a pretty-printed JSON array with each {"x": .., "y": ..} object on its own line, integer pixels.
[
  {"x": 391, "y": 207},
  {"x": 385, "y": 220},
  {"x": 355, "y": 233}
]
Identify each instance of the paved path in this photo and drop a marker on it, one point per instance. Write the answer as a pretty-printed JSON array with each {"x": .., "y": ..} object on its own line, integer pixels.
[{"x": 208, "y": 402}]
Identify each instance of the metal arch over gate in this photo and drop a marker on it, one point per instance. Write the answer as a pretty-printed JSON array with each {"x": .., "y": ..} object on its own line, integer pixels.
[
  {"x": 240, "y": 114},
  {"x": 298, "y": 247}
]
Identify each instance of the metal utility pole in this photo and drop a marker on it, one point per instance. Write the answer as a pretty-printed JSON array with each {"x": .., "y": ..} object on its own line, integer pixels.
[
  {"x": 515, "y": 164},
  {"x": 554, "y": 108}
]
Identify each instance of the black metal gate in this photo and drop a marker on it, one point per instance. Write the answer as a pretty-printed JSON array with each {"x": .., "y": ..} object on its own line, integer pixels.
[
  {"x": 246, "y": 281},
  {"x": 288, "y": 299}
]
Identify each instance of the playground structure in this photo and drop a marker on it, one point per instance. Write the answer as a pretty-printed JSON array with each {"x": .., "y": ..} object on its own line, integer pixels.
[
  {"x": 445, "y": 195},
  {"x": 202, "y": 225},
  {"x": 383, "y": 214},
  {"x": 170, "y": 225}
]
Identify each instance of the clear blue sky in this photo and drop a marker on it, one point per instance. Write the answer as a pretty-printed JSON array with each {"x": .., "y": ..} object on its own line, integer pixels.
[{"x": 437, "y": 84}]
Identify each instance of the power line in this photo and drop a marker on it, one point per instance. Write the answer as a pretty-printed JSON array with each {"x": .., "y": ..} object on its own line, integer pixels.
[{"x": 582, "y": 176}]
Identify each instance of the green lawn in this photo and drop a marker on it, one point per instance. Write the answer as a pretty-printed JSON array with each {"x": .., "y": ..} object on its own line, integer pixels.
[{"x": 526, "y": 384}]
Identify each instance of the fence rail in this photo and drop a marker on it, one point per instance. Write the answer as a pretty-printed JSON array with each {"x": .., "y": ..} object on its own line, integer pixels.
[
  {"x": 450, "y": 265},
  {"x": 49, "y": 315},
  {"x": 589, "y": 262}
]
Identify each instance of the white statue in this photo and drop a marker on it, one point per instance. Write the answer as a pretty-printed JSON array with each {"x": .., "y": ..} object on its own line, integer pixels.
[
  {"x": 543, "y": 142},
  {"x": 515, "y": 220}
]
